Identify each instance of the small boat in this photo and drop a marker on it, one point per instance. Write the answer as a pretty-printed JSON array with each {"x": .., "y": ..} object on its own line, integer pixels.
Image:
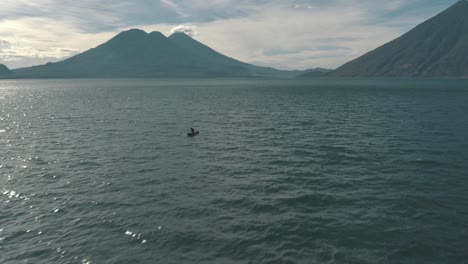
[{"x": 190, "y": 134}]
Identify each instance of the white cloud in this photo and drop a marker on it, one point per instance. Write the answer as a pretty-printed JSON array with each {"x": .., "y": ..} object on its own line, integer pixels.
[
  {"x": 4, "y": 44},
  {"x": 175, "y": 7},
  {"x": 40, "y": 40},
  {"x": 187, "y": 29}
]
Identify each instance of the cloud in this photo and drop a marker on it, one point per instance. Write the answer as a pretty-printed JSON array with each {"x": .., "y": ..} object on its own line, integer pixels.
[
  {"x": 39, "y": 39},
  {"x": 175, "y": 7},
  {"x": 290, "y": 38},
  {"x": 4, "y": 44},
  {"x": 187, "y": 29}
]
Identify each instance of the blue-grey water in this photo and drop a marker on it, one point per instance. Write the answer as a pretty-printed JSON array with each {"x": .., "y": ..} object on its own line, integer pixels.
[{"x": 283, "y": 171}]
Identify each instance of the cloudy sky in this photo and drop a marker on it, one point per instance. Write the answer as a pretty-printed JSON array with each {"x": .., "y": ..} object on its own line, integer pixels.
[{"x": 286, "y": 34}]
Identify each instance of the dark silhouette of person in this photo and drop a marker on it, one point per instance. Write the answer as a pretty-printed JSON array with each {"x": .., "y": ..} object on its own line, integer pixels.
[{"x": 192, "y": 130}]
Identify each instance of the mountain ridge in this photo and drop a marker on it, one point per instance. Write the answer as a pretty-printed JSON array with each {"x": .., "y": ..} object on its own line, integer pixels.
[
  {"x": 137, "y": 54},
  {"x": 438, "y": 47}
]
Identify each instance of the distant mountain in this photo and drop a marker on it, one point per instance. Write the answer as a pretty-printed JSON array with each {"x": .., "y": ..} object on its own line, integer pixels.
[
  {"x": 435, "y": 48},
  {"x": 135, "y": 53},
  {"x": 4, "y": 69},
  {"x": 317, "y": 72}
]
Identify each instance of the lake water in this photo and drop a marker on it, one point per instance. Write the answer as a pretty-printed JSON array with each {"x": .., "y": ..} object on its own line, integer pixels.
[{"x": 283, "y": 171}]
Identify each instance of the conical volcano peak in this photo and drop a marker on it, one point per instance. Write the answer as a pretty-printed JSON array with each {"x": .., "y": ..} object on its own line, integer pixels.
[
  {"x": 133, "y": 32},
  {"x": 125, "y": 38},
  {"x": 180, "y": 35},
  {"x": 129, "y": 35},
  {"x": 156, "y": 33},
  {"x": 137, "y": 54}
]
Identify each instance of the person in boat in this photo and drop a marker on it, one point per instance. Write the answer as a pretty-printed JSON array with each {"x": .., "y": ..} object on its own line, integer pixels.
[{"x": 192, "y": 130}]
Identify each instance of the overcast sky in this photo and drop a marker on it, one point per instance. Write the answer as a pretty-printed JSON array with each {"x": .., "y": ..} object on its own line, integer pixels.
[{"x": 286, "y": 34}]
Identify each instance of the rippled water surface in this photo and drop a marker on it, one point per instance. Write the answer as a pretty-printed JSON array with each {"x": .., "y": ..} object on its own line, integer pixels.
[{"x": 283, "y": 171}]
